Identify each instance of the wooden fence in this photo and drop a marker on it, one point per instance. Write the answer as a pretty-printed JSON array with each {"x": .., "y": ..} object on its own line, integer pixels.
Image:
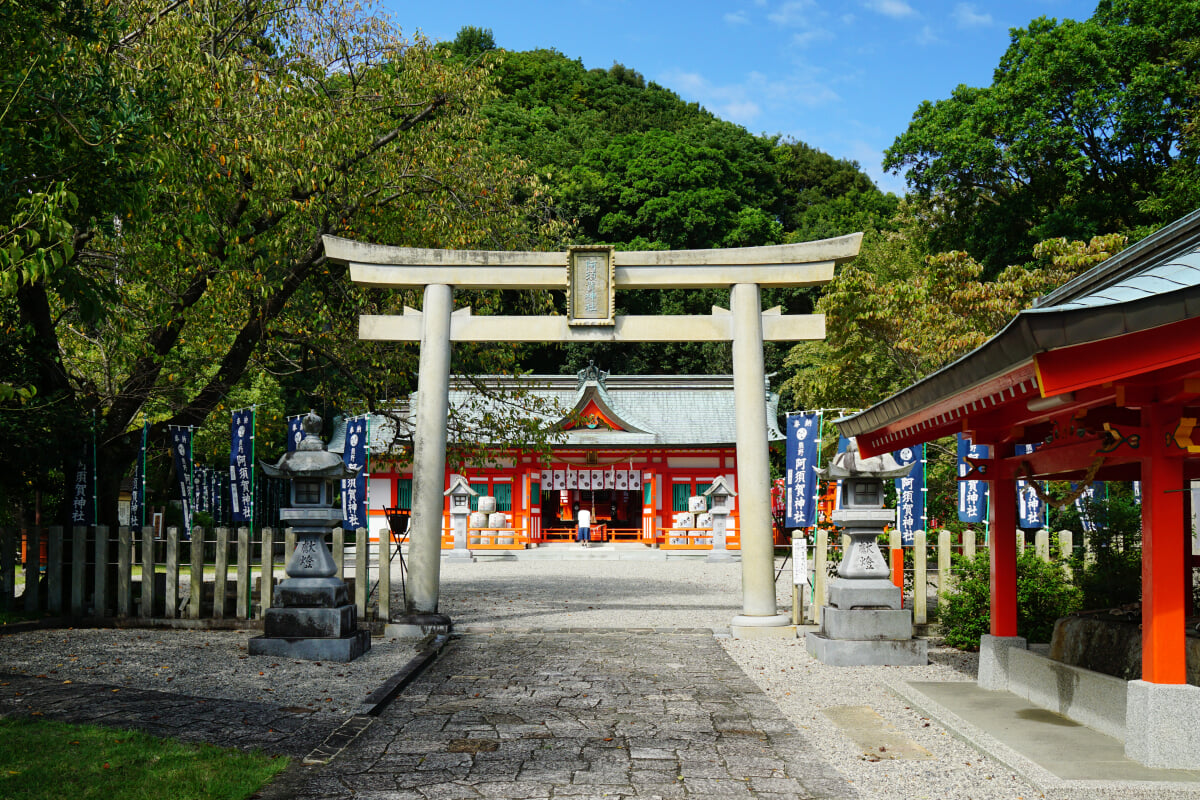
[{"x": 216, "y": 575}]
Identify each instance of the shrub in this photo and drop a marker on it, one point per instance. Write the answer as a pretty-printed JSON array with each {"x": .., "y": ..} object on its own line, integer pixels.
[{"x": 1043, "y": 596}]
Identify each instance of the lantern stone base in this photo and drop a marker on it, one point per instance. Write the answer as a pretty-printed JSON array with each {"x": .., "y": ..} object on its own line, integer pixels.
[
  {"x": 861, "y": 653},
  {"x": 346, "y": 648},
  {"x": 311, "y": 593},
  {"x": 864, "y": 625}
]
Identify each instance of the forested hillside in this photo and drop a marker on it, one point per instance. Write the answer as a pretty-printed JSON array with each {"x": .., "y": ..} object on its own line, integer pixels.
[{"x": 626, "y": 162}]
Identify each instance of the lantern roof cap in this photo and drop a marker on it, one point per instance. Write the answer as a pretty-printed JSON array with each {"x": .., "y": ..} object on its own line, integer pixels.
[
  {"x": 849, "y": 464},
  {"x": 310, "y": 459}
]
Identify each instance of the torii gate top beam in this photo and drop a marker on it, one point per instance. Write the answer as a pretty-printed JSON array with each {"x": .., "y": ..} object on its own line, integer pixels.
[{"x": 802, "y": 264}]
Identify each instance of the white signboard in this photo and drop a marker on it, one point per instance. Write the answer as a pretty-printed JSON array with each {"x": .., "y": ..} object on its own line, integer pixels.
[{"x": 800, "y": 561}]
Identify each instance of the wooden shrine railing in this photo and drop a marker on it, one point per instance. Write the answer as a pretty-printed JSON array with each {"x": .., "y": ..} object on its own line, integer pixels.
[{"x": 93, "y": 572}]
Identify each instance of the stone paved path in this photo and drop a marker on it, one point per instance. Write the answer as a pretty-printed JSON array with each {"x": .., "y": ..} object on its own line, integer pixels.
[
  {"x": 576, "y": 713},
  {"x": 227, "y": 723}
]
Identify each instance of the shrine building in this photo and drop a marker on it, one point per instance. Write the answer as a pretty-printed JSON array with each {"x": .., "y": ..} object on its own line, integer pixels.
[
  {"x": 632, "y": 450},
  {"x": 1103, "y": 375}
]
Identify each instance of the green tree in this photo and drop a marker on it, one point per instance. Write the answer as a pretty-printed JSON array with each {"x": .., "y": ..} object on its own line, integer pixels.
[
  {"x": 1076, "y": 136},
  {"x": 285, "y": 124}
]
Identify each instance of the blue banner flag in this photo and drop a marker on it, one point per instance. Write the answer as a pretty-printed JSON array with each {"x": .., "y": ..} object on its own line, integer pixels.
[
  {"x": 803, "y": 447},
  {"x": 1084, "y": 504},
  {"x": 354, "y": 490},
  {"x": 83, "y": 495},
  {"x": 241, "y": 466},
  {"x": 137, "y": 492},
  {"x": 910, "y": 493},
  {"x": 1030, "y": 509},
  {"x": 295, "y": 427},
  {"x": 972, "y": 494},
  {"x": 181, "y": 448}
]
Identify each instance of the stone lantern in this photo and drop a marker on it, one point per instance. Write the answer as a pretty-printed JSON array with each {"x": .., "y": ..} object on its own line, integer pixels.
[
  {"x": 311, "y": 616},
  {"x": 460, "y": 494},
  {"x": 720, "y": 494},
  {"x": 864, "y": 622}
]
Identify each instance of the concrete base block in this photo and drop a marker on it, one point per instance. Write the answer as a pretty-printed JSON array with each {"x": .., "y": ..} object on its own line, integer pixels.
[
  {"x": 1088, "y": 697},
  {"x": 866, "y": 623},
  {"x": 863, "y": 593},
  {"x": 457, "y": 555},
  {"x": 417, "y": 626},
  {"x": 720, "y": 555},
  {"x": 773, "y": 632},
  {"x": 346, "y": 648},
  {"x": 993, "y": 660},
  {"x": 1162, "y": 725},
  {"x": 858, "y": 653}
]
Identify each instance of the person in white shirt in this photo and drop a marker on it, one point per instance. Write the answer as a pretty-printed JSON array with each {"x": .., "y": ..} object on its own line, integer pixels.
[{"x": 583, "y": 519}]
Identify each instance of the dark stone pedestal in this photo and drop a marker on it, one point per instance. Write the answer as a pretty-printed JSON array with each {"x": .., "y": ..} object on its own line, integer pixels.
[
  {"x": 312, "y": 620},
  {"x": 865, "y": 625}
]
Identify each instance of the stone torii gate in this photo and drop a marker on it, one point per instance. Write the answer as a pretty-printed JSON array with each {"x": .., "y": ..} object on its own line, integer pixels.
[{"x": 591, "y": 276}]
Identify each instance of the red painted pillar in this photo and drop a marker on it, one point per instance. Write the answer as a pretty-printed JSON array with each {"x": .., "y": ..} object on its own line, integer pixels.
[
  {"x": 1163, "y": 621},
  {"x": 1002, "y": 511}
]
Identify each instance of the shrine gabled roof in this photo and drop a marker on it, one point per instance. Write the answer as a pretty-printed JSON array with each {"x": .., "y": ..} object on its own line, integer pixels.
[
  {"x": 644, "y": 410},
  {"x": 1154, "y": 283}
]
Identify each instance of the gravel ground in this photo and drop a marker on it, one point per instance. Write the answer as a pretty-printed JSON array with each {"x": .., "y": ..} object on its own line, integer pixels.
[{"x": 202, "y": 663}]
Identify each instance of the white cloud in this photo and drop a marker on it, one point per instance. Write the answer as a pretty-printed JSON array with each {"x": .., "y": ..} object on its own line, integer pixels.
[
  {"x": 927, "y": 36},
  {"x": 891, "y": 8},
  {"x": 743, "y": 102},
  {"x": 792, "y": 14},
  {"x": 967, "y": 17},
  {"x": 737, "y": 18},
  {"x": 805, "y": 38}
]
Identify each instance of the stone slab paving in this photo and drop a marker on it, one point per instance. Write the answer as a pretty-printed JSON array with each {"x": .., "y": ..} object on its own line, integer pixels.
[
  {"x": 576, "y": 713},
  {"x": 227, "y": 723}
]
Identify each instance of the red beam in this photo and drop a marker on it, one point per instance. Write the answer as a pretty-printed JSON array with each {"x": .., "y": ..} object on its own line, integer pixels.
[{"x": 1071, "y": 368}]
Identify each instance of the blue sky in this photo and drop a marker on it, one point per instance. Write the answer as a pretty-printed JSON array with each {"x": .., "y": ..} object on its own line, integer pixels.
[{"x": 844, "y": 77}]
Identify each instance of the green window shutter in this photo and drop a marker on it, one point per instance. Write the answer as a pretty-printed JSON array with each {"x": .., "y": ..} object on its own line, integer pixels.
[
  {"x": 482, "y": 488},
  {"x": 647, "y": 494},
  {"x": 680, "y": 492},
  {"x": 404, "y": 493},
  {"x": 535, "y": 494},
  {"x": 701, "y": 488},
  {"x": 503, "y": 492}
]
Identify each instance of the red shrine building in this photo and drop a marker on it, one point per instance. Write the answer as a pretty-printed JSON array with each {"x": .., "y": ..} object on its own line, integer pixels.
[
  {"x": 632, "y": 450},
  {"x": 1103, "y": 373}
]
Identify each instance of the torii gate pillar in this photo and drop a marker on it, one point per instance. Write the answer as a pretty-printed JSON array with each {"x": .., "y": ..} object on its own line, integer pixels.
[
  {"x": 759, "y": 609},
  {"x": 590, "y": 276}
]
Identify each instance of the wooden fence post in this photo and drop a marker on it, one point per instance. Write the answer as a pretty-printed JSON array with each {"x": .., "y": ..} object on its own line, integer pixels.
[
  {"x": 920, "y": 581},
  {"x": 266, "y": 578},
  {"x": 78, "y": 569},
  {"x": 244, "y": 589},
  {"x": 124, "y": 571},
  {"x": 196, "y": 578},
  {"x": 820, "y": 576},
  {"x": 54, "y": 570},
  {"x": 943, "y": 564},
  {"x": 1020, "y": 542},
  {"x": 171, "y": 598},
  {"x": 289, "y": 546},
  {"x": 362, "y": 571},
  {"x": 8, "y": 569},
  {"x": 384, "y": 557},
  {"x": 148, "y": 593},
  {"x": 1066, "y": 547},
  {"x": 101, "y": 602},
  {"x": 968, "y": 544},
  {"x": 1041, "y": 544},
  {"x": 339, "y": 552},
  {"x": 33, "y": 569},
  {"x": 221, "y": 576}
]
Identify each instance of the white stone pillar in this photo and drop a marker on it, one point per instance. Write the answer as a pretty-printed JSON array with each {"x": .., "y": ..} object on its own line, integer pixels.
[
  {"x": 753, "y": 470},
  {"x": 429, "y": 453}
]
